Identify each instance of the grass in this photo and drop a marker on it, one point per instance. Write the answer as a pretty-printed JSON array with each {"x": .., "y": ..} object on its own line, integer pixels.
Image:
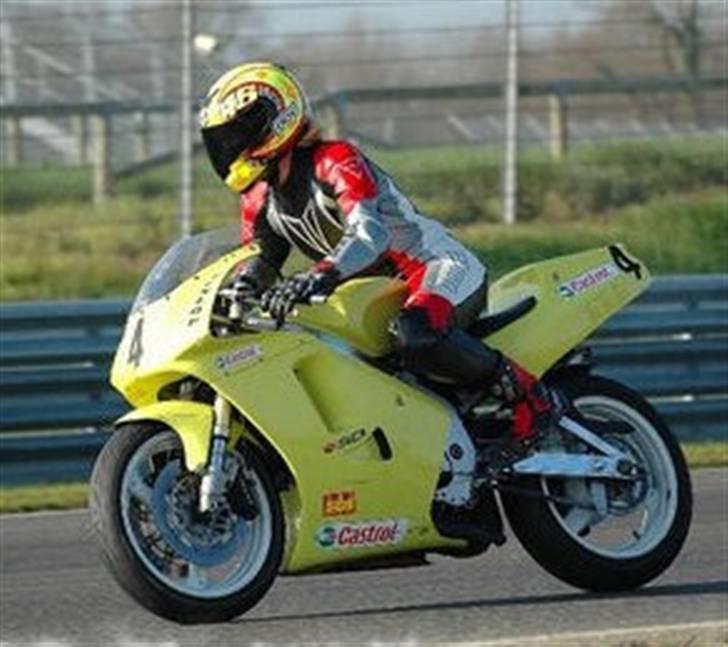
[
  {"x": 674, "y": 234},
  {"x": 711, "y": 454},
  {"x": 75, "y": 495},
  {"x": 59, "y": 252},
  {"x": 30, "y": 498},
  {"x": 665, "y": 199}
]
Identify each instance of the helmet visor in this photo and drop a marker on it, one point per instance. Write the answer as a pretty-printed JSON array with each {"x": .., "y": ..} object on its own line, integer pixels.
[{"x": 225, "y": 143}]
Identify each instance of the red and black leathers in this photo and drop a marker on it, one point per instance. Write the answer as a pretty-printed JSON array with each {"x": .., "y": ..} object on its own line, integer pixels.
[{"x": 342, "y": 211}]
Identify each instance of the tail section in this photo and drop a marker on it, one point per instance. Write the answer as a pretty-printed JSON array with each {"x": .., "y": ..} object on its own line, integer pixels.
[{"x": 575, "y": 294}]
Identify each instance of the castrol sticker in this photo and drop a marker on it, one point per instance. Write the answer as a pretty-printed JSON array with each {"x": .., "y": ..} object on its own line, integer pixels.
[
  {"x": 588, "y": 280},
  {"x": 343, "y": 536}
]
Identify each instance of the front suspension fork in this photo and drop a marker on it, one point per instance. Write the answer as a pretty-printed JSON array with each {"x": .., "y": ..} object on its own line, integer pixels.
[{"x": 213, "y": 480}]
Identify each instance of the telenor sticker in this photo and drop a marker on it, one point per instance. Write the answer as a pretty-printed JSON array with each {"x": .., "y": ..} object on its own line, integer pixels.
[
  {"x": 587, "y": 280},
  {"x": 238, "y": 356}
]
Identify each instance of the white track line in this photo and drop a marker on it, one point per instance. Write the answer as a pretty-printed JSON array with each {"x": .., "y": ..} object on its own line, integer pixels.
[{"x": 596, "y": 637}]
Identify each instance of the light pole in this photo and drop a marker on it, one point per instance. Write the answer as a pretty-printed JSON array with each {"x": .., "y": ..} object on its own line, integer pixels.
[
  {"x": 185, "y": 107},
  {"x": 510, "y": 176}
]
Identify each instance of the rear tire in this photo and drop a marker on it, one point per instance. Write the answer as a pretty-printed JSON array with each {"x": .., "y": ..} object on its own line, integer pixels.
[
  {"x": 541, "y": 527},
  {"x": 171, "y": 584}
]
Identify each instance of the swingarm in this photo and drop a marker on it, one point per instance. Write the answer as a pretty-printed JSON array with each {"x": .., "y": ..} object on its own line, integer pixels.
[{"x": 609, "y": 462}]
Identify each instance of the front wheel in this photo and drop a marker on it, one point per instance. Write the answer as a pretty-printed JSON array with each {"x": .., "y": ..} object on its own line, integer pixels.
[
  {"x": 618, "y": 535},
  {"x": 179, "y": 563}
]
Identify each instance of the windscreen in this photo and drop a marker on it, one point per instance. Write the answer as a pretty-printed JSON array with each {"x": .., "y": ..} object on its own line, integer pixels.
[{"x": 185, "y": 258}]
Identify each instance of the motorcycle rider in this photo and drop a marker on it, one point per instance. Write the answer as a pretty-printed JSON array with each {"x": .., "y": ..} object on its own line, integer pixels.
[{"x": 340, "y": 209}]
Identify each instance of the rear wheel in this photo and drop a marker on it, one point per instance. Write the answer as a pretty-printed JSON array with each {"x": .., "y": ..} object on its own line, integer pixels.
[
  {"x": 177, "y": 562},
  {"x": 619, "y": 534}
]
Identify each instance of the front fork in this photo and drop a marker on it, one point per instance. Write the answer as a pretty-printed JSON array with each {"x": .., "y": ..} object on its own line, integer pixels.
[{"x": 213, "y": 480}]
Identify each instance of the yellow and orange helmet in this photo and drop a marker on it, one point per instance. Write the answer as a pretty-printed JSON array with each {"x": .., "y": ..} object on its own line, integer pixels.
[{"x": 252, "y": 115}]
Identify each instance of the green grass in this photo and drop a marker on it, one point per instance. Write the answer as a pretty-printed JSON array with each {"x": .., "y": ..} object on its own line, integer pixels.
[
  {"x": 463, "y": 185},
  {"x": 711, "y": 454},
  {"x": 43, "y": 497},
  {"x": 60, "y": 252},
  {"x": 75, "y": 495},
  {"x": 666, "y": 200},
  {"x": 674, "y": 234}
]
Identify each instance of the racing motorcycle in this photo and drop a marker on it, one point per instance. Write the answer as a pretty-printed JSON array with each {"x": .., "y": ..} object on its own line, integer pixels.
[{"x": 258, "y": 447}]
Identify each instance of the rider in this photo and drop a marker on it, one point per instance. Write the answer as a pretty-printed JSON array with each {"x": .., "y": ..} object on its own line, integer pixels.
[{"x": 345, "y": 213}]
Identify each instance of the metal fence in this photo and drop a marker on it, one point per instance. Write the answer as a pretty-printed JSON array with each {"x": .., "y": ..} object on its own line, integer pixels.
[
  {"x": 102, "y": 87},
  {"x": 56, "y": 403}
]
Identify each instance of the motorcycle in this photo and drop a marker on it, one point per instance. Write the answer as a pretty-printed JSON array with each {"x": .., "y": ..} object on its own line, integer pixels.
[{"x": 258, "y": 447}]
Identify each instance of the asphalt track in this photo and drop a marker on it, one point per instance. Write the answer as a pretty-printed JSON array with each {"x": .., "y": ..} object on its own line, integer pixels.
[{"x": 53, "y": 588}]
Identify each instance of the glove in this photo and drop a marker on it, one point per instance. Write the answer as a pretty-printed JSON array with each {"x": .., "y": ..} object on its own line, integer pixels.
[{"x": 299, "y": 288}]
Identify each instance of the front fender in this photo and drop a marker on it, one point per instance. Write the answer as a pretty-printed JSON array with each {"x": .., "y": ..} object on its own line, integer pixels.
[{"x": 192, "y": 421}]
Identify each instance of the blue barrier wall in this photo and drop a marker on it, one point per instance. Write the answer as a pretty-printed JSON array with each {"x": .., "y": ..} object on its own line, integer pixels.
[{"x": 56, "y": 405}]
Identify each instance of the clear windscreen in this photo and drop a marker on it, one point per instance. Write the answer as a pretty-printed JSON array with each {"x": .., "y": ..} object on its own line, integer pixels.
[{"x": 184, "y": 259}]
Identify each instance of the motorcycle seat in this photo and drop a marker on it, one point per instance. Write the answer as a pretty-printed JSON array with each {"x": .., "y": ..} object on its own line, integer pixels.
[{"x": 492, "y": 323}]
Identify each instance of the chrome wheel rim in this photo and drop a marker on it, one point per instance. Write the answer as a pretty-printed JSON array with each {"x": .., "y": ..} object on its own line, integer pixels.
[
  {"x": 202, "y": 556},
  {"x": 620, "y": 520}
]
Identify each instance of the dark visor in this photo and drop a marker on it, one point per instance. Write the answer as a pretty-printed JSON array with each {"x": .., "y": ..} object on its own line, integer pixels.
[{"x": 224, "y": 143}]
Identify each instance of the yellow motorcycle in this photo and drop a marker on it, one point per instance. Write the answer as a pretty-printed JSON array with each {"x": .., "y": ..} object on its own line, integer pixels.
[{"x": 256, "y": 448}]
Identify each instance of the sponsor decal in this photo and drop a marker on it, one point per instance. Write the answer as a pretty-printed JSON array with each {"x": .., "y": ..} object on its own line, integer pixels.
[
  {"x": 286, "y": 117},
  {"x": 239, "y": 356},
  {"x": 343, "y": 536},
  {"x": 346, "y": 441},
  {"x": 339, "y": 504},
  {"x": 197, "y": 307},
  {"x": 588, "y": 280},
  {"x": 136, "y": 350},
  {"x": 625, "y": 263}
]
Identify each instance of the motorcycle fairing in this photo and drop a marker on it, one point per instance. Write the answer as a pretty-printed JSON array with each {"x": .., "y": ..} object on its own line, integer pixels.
[
  {"x": 304, "y": 396},
  {"x": 574, "y": 295},
  {"x": 191, "y": 420}
]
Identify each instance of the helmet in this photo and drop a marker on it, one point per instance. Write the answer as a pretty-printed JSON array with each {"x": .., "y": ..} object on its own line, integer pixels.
[{"x": 252, "y": 115}]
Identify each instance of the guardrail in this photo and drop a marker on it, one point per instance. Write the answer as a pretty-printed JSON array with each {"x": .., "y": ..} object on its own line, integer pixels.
[{"x": 671, "y": 345}]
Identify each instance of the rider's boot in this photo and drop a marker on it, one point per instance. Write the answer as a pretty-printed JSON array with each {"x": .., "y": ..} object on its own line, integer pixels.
[
  {"x": 457, "y": 356},
  {"x": 533, "y": 410}
]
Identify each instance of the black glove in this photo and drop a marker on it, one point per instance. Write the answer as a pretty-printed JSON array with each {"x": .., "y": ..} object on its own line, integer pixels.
[{"x": 299, "y": 288}]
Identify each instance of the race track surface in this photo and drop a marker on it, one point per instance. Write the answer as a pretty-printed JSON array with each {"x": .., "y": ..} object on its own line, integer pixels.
[{"x": 53, "y": 587}]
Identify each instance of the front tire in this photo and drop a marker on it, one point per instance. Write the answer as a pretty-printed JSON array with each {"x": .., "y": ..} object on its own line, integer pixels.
[
  {"x": 561, "y": 538},
  {"x": 181, "y": 565}
]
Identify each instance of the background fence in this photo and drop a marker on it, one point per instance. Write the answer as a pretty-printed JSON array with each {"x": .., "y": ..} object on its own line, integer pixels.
[
  {"x": 99, "y": 84},
  {"x": 671, "y": 345}
]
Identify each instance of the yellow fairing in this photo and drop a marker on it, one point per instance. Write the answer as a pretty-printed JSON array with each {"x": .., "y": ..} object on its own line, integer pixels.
[
  {"x": 191, "y": 420},
  {"x": 575, "y": 295},
  {"x": 321, "y": 409},
  {"x": 359, "y": 313},
  {"x": 363, "y": 447}
]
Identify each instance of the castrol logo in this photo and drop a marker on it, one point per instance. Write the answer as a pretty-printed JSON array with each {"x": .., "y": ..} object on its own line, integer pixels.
[{"x": 361, "y": 535}]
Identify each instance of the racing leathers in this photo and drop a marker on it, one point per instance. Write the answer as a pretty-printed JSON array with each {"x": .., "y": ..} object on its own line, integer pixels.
[{"x": 346, "y": 214}]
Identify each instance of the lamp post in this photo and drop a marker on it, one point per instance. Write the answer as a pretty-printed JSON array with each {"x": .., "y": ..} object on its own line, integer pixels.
[
  {"x": 185, "y": 206},
  {"x": 510, "y": 179}
]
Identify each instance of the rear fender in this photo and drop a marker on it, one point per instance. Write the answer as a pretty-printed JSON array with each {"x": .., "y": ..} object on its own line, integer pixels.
[{"x": 192, "y": 421}]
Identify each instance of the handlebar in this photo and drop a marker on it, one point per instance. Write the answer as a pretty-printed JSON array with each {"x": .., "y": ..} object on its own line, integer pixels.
[{"x": 253, "y": 321}]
